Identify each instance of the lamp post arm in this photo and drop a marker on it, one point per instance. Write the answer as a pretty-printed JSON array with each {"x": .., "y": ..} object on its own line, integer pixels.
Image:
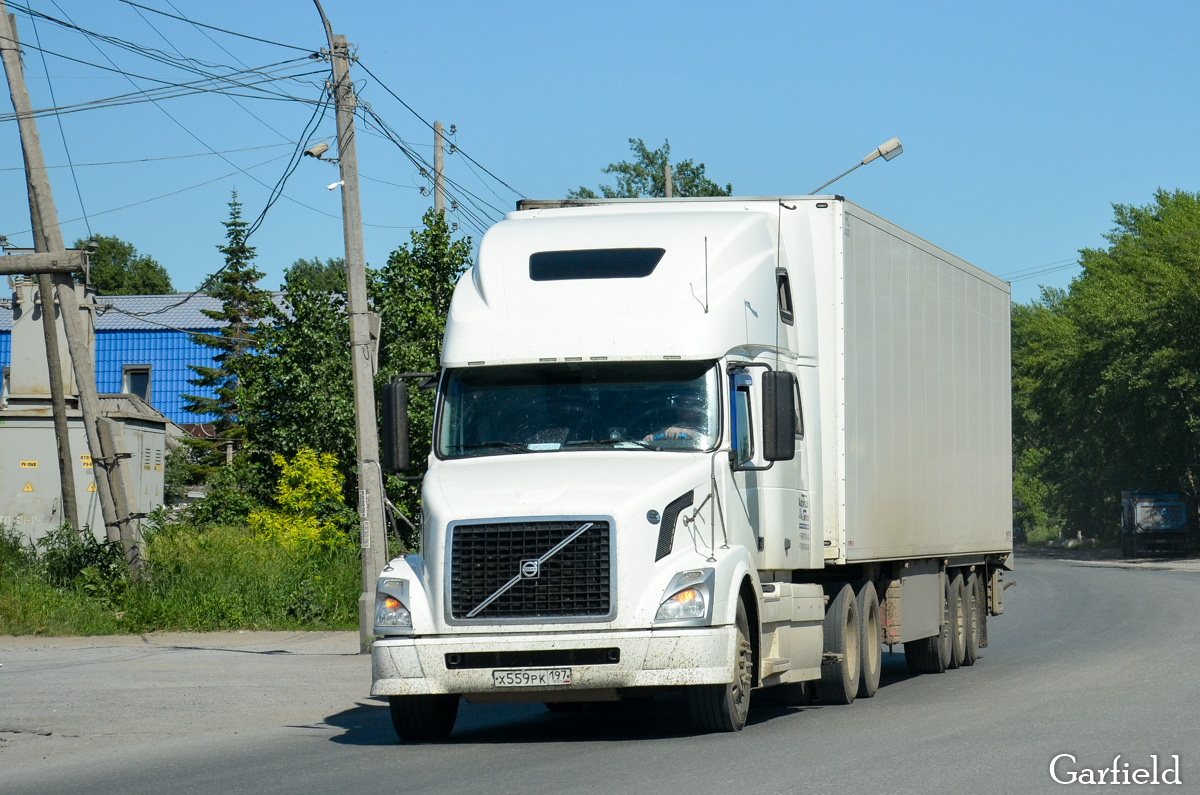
[{"x": 835, "y": 179}]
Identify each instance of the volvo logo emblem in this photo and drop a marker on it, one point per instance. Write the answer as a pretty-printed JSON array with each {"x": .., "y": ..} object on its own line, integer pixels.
[{"x": 530, "y": 569}]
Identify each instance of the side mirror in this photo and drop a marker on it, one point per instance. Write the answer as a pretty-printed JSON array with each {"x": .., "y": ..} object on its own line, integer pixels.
[
  {"x": 779, "y": 415},
  {"x": 394, "y": 444}
]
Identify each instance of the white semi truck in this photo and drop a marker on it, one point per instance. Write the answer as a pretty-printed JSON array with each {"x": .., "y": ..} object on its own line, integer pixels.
[{"x": 717, "y": 445}]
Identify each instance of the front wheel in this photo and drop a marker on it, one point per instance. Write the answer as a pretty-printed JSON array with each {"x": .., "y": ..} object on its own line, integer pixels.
[
  {"x": 423, "y": 719},
  {"x": 723, "y": 708}
]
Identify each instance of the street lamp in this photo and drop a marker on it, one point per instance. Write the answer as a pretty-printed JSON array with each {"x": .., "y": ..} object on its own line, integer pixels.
[{"x": 887, "y": 150}]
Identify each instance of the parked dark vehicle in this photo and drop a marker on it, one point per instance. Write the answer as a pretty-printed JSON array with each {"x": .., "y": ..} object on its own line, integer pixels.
[{"x": 1152, "y": 520}]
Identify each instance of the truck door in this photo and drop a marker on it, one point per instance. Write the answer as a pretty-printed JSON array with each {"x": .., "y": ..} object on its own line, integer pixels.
[
  {"x": 744, "y": 509},
  {"x": 767, "y": 505}
]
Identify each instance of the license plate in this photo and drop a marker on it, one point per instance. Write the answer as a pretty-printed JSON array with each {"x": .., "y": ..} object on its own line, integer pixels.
[{"x": 532, "y": 677}]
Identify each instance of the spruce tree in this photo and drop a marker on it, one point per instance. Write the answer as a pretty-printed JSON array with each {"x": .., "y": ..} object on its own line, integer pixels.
[{"x": 243, "y": 305}]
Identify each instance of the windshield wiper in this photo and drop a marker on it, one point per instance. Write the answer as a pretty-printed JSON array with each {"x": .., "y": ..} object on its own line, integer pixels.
[
  {"x": 610, "y": 442},
  {"x": 497, "y": 445}
]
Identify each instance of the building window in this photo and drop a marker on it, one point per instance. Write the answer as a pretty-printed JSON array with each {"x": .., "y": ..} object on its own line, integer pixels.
[{"x": 135, "y": 380}]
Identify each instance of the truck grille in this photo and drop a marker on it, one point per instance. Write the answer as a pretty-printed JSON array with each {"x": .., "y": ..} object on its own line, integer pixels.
[{"x": 574, "y": 582}]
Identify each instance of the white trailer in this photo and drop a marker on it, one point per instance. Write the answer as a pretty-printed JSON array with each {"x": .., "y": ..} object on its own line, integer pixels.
[{"x": 712, "y": 444}]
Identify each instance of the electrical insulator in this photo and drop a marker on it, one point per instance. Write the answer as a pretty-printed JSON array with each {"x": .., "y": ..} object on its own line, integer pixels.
[
  {"x": 453, "y": 129},
  {"x": 453, "y": 204}
]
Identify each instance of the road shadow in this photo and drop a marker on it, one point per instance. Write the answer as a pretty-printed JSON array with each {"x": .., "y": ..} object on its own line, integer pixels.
[
  {"x": 366, "y": 723},
  {"x": 665, "y": 716}
]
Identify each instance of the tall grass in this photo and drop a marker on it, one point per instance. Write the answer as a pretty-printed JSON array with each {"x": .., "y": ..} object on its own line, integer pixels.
[{"x": 216, "y": 578}]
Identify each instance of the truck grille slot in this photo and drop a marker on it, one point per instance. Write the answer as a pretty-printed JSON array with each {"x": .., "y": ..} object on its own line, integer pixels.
[
  {"x": 575, "y": 582},
  {"x": 542, "y": 658}
]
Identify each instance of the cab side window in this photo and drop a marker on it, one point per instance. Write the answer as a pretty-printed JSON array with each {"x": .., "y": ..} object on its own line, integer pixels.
[{"x": 744, "y": 439}]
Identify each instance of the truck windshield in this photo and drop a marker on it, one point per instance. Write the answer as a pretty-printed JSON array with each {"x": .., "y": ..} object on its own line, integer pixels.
[
  {"x": 585, "y": 406},
  {"x": 1155, "y": 516}
]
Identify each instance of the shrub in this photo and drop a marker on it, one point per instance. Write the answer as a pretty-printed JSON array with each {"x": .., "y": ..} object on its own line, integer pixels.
[{"x": 309, "y": 499}]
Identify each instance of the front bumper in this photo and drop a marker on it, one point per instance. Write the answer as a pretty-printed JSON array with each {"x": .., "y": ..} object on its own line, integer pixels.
[{"x": 649, "y": 658}]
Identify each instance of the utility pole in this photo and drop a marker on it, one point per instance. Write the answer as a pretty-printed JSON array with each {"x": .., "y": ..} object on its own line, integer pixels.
[
  {"x": 58, "y": 401},
  {"x": 48, "y": 240},
  {"x": 668, "y": 186},
  {"x": 370, "y": 473},
  {"x": 439, "y": 180}
]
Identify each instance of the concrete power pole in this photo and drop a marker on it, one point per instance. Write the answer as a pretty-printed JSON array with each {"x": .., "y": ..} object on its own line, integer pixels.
[
  {"x": 58, "y": 401},
  {"x": 370, "y": 473},
  {"x": 111, "y": 487},
  {"x": 668, "y": 186},
  {"x": 439, "y": 180}
]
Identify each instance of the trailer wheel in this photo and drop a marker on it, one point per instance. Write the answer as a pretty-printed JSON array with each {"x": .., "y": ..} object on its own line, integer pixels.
[
  {"x": 971, "y": 589},
  {"x": 423, "y": 719},
  {"x": 957, "y": 610},
  {"x": 1127, "y": 545},
  {"x": 840, "y": 672},
  {"x": 871, "y": 664},
  {"x": 723, "y": 708}
]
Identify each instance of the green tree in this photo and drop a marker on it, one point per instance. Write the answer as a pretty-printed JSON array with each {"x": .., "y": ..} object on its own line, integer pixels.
[
  {"x": 243, "y": 306},
  {"x": 328, "y": 276},
  {"x": 118, "y": 269},
  {"x": 645, "y": 177},
  {"x": 296, "y": 393},
  {"x": 1108, "y": 373},
  {"x": 413, "y": 293}
]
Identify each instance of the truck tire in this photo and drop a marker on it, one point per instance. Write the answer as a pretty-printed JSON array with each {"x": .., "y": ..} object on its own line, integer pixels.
[
  {"x": 840, "y": 671},
  {"x": 1126, "y": 545},
  {"x": 423, "y": 719},
  {"x": 972, "y": 591},
  {"x": 723, "y": 708},
  {"x": 956, "y": 604},
  {"x": 869, "y": 643}
]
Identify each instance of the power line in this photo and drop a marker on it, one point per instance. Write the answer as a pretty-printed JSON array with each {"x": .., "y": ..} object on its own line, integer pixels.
[
  {"x": 187, "y": 64},
  {"x": 302, "y": 143},
  {"x": 167, "y": 157},
  {"x": 165, "y": 195},
  {"x": 61, "y": 132},
  {"x": 231, "y": 98},
  {"x": 477, "y": 217},
  {"x": 430, "y": 126},
  {"x": 204, "y": 33},
  {"x": 185, "y": 128},
  {"x": 214, "y": 27},
  {"x": 106, "y": 308},
  {"x": 167, "y": 91}
]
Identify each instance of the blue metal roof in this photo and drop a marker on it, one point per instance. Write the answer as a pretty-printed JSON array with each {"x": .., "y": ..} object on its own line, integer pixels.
[
  {"x": 181, "y": 311},
  {"x": 124, "y": 340}
]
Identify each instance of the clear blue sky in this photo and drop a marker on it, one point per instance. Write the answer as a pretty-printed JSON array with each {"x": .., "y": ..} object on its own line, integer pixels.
[{"x": 1022, "y": 122}]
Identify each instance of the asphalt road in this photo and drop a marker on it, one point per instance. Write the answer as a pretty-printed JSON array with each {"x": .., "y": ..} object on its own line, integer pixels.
[{"x": 1091, "y": 659}]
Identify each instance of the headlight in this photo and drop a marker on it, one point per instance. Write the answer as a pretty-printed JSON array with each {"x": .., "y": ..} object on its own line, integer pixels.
[
  {"x": 688, "y": 599},
  {"x": 390, "y": 610}
]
